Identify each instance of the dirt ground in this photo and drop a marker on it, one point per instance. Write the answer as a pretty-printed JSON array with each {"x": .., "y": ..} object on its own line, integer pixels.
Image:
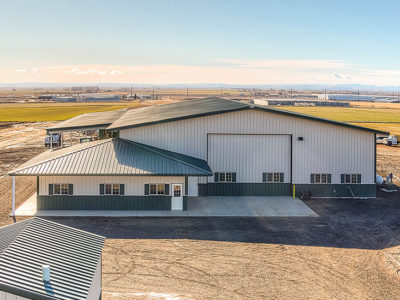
[
  {"x": 343, "y": 254},
  {"x": 388, "y": 160},
  {"x": 340, "y": 255}
]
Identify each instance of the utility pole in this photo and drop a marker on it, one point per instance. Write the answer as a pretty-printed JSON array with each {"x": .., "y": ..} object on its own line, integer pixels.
[
  {"x": 326, "y": 98},
  {"x": 153, "y": 92},
  {"x": 187, "y": 93},
  {"x": 358, "y": 97}
]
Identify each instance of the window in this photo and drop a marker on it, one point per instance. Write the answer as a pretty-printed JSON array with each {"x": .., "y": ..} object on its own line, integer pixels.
[
  {"x": 60, "y": 189},
  {"x": 111, "y": 189},
  {"x": 225, "y": 177},
  {"x": 351, "y": 178},
  {"x": 177, "y": 190},
  {"x": 321, "y": 178},
  {"x": 157, "y": 189},
  {"x": 273, "y": 177}
]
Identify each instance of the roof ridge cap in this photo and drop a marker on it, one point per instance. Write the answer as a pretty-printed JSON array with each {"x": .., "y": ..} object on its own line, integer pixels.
[
  {"x": 144, "y": 146},
  {"x": 62, "y": 155}
]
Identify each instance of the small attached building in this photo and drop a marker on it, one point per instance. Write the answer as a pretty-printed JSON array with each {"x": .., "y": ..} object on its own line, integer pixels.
[
  {"x": 205, "y": 147},
  {"x": 42, "y": 260}
]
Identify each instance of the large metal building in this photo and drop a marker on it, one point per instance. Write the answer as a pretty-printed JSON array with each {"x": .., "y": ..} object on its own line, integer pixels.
[{"x": 206, "y": 147}]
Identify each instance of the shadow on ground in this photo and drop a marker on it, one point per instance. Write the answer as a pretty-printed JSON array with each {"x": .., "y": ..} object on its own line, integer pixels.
[{"x": 344, "y": 223}]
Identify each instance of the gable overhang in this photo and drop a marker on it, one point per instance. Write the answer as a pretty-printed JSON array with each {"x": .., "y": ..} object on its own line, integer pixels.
[{"x": 199, "y": 115}]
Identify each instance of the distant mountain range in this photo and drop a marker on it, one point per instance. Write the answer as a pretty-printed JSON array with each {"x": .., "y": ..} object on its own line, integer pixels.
[{"x": 341, "y": 87}]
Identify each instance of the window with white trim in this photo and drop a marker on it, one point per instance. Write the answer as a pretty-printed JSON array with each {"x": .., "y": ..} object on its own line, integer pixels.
[
  {"x": 273, "y": 177},
  {"x": 60, "y": 189},
  {"x": 157, "y": 189},
  {"x": 225, "y": 177},
  {"x": 321, "y": 178},
  {"x": 351, "y": 178},
  {"x": 111, "y": 189}
]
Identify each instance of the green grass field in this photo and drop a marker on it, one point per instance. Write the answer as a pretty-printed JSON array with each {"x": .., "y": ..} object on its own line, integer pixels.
[
  {"x": 50, "y": 112},
  {"x": 350, "y": 114},
  {"x": 358, "y": 116}
]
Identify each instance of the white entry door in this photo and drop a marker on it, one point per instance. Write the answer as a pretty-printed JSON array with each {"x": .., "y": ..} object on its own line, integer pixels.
[{"x": 177, "y": 197}]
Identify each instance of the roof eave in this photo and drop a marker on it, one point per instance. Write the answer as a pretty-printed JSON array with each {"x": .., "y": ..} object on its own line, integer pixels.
[
  {"x": 24, "y": 293},
  {"x": 61, "y": 129},
  {"x": 179, "y": 118},
  {"x": 205, "y": 174}
]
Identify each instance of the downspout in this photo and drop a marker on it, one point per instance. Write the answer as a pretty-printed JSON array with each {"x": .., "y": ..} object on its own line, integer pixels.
[{"x": 13, "y": 198}]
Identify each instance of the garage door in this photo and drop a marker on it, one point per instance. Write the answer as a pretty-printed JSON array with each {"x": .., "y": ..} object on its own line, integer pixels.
[{"x": 249, "y": 155}]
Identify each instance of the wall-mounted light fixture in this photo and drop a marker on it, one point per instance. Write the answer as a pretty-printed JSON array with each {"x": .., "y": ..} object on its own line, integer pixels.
[{"x": 300, "y": 138}]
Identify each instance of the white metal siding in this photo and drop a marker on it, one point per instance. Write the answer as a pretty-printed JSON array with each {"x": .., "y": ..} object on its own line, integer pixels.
[
  {"x": 326, "y": 148},
  {"x": 193, "y": 189},
  {"x": 249, "y": 155},
  {"x": 90, "y": 185}
]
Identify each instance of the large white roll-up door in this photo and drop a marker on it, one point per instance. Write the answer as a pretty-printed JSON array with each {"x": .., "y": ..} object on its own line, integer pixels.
[{"x": 249, "y": 155}]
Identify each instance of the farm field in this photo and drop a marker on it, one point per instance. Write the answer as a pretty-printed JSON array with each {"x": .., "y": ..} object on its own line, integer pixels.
[
  {"x": 41, "y": 112},
  {"x": 380, "y": 117}
]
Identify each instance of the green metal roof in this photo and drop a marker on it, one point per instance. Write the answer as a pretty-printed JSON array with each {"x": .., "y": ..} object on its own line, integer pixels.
[
  {"x": 202, "y": 107},
  {"x": 72, "y": 254},
  {"x": 96, "y": 120},
  {"x": 176, "y": 111},
  {"x": 122, "y": 119},
  {"x": 113, "y": 157}
]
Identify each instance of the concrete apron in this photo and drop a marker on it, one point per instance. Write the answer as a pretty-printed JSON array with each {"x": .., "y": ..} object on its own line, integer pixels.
[{"x": 216, "y": 206}]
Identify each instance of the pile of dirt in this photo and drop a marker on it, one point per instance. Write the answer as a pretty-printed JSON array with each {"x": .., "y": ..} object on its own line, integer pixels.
[{"x": 388, "y": 161}]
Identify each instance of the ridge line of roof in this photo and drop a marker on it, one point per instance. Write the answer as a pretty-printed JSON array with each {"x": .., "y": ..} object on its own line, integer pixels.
[
  {"x": 180, "y": 118},
  {"x": 62, "y": 155},
  {"x": 140, "y": 145},
  {"x": 28, "y": 221}
]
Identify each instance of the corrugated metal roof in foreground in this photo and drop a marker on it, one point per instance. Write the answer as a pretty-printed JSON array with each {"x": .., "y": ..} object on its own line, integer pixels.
[
  {"x": 89, "y": 120},
  {"x": 176, "y": 111},
  {"x": 114, "y": 157},
  {"x": 72, "y": 254}
]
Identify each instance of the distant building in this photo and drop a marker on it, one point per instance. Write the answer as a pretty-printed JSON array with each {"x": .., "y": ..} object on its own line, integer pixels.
[
  {"x": 65, "y": 99},
  {"x": 274, "y": 102},
  {"x": 346, "y": 97},
  {"x": 98, "y": 98}
]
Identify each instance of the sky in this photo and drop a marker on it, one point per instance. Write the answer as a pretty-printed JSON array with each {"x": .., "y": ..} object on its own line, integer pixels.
[{"x": 196, "y": 42}]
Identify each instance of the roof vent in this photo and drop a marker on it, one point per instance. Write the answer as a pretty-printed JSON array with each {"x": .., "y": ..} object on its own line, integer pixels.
[{"x": 46, "y": 272}]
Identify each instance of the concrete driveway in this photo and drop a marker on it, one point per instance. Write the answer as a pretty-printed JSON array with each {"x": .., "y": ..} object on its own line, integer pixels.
[{"x": 226, "y": 206}]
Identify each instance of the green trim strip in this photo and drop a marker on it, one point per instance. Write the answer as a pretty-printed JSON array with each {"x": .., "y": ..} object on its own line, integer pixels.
[
  {"x": 244, "y": 189},
  {"x": 338, "y": 190},
  {"x": 109, "y": 202}
]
